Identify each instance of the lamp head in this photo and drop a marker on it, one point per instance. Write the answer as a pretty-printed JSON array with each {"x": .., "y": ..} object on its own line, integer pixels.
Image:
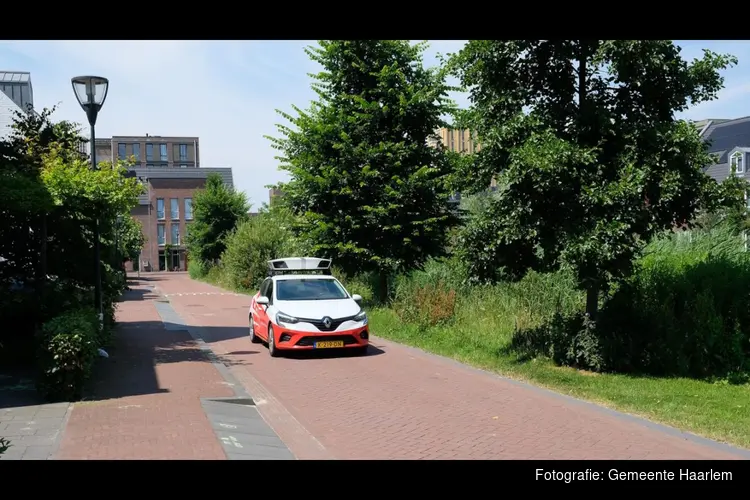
[{"x": 91, "y": 92}]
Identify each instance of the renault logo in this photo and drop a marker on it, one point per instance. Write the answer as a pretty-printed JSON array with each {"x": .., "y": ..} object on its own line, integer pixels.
[{"x": 327, "y": 322}]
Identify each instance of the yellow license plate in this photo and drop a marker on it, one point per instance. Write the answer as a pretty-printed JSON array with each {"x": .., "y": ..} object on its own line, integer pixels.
[{"x": 329, "y": 344}]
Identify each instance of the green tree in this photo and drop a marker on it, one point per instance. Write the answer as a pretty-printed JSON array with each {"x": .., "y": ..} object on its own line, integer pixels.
[
  {"x": 590, "y": 159},
  {"x": 217, "y": 210},
  {"x": 49, "y": 197},
  {"x": 130, "y": 238},
  {"x": 369, "y": 189}
]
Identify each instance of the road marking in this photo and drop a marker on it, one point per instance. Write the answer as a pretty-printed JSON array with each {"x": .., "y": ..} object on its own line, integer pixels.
[
  {"x": 128, "y": 406},
  {"x": 228, "y": 426},
  {"x": 231, "y": 440}
]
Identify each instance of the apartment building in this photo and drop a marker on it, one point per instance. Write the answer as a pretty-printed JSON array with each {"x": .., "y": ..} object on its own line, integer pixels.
[
  {"x": 151, "y": 151},
  {"x": 16, "y": 95},
  {"x": 165, "y": 212},
  {"x": 273, "y": 194},
  {"x": 169, "y": 168},
  {"x": 460, "y": 141}
]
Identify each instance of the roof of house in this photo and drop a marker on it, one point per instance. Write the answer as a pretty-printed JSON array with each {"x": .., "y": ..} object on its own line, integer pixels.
[
  {"x": 15, "y": 76},
  {"x": 724, "y": 137}
]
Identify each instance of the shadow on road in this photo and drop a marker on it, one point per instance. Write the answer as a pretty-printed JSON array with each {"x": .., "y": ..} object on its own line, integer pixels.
[
  {"x": 138, "y": 347},
  {"x": 138, "y": 294}
]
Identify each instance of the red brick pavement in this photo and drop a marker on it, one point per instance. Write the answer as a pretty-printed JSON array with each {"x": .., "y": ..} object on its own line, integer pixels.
[
  {"x": 147, "y": 395},
  {"x": 405, "y": 404}
]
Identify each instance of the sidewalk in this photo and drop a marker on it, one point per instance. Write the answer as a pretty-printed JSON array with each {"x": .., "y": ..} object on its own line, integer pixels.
[{"x": 150, "y": 397}]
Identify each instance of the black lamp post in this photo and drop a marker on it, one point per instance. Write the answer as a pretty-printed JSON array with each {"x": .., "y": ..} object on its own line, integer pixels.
[{"x": 91, "y": 91}]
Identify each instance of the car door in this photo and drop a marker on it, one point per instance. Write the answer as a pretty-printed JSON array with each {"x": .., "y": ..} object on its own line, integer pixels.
[{"x": 260, "y": 317}]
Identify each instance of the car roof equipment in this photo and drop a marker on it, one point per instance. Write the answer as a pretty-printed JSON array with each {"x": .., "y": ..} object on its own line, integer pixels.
[{"x": 299, "y": 265}]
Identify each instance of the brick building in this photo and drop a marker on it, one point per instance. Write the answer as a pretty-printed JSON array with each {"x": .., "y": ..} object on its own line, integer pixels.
[
  {"x": 169, "y": 168},
  {"x": 460, "y": 141}
]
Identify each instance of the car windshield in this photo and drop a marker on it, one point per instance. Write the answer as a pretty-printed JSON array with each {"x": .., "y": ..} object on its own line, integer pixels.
[{"x": 309, "y": 289}]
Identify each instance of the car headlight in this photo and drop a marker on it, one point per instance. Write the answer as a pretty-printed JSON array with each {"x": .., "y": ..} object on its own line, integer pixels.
[
  {"x": 362, "y": 316},
  {"x": 285, "y": 318}
]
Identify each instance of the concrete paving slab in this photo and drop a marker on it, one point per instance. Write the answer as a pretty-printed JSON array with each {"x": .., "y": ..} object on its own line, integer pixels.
[
  {"x": 248, "y": 440},
  {"x": 34, "y": 431},
  {"x": 237, "y": 445},
  {"x": 257, "y": 429}
]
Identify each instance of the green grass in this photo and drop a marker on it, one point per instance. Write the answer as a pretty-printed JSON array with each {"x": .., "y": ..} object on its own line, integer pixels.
[{"x": 715, "y": 410}]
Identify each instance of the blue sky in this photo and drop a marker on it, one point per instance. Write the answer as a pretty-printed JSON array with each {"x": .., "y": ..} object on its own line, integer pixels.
[{"x": 225, "y": 92}]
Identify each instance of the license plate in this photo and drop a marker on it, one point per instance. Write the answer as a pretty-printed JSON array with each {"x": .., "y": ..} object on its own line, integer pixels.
[{"x": 328, "y": 344}]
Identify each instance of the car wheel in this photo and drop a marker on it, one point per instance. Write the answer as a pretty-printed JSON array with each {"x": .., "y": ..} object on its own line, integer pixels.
[
  {"x": 253, "y": 338},
  {"x": 272, "y": 343}
]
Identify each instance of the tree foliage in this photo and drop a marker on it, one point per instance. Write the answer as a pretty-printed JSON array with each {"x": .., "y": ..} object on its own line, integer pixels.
[
  {"x": 217, "y": 210},
  {"x": 130, "y": 238},
  {"x": 49, "y": 199},
  {"x": 369, "y": 189},
  {"x": 589, "y": 157}
]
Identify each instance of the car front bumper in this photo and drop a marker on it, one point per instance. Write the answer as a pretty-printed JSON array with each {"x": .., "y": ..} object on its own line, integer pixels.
[{"x": 287, "y": 338}]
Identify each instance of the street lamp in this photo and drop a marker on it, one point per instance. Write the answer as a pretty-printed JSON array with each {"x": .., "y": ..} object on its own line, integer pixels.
[{"x": 91, "y": 91}]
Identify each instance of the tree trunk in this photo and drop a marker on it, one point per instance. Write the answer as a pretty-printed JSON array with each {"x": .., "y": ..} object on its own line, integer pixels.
[
  {"x": 592, "y": 300},
  {"x": 383, "y": 287}
]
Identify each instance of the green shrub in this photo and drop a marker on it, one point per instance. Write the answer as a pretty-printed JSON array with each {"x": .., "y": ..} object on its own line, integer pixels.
[
  {"x": 425, "y": 305},
  {"x": 252, "y": 244},
  {"x": 363, "y": 284},
  {"x": 4, "y": 445},
  {"x": 67, "y": 350},
  {"x": 684, "y": 313},
  {"x": 196, "y": 269}
]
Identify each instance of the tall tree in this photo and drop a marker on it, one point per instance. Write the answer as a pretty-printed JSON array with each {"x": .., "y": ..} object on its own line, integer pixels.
[
  {"x": 369, "y": 188},
  {"x": 589, "y": 157},
  {"x": 217, "y": 209}
]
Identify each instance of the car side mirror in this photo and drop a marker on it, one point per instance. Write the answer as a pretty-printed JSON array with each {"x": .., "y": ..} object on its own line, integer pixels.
[
  {"x": 357, "y": 298},
  {"x": 263, "y": 301}
]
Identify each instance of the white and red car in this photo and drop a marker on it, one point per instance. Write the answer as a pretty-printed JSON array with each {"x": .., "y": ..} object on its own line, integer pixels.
[{"x": 300, "y": 306}]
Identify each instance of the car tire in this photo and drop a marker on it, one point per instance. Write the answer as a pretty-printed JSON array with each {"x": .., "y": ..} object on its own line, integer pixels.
[
  {"x": 271, "y": 343},
  {"x": 253, "y": 337}
]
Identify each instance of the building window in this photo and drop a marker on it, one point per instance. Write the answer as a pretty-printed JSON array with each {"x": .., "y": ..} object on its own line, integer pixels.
[
  {"x": 461, "y": 140},
  {"x": 137, "y": 151},
  {"x": 174, "y": 232},
  {"x": 183, "y": 152},
  {"x": 187, "y": 231},
  {"x": 163, "y": 152},
  {"x": 149, "y": 152},
  {"x": 452, "y": 140},
  {"x": 149, "y": 165},
  {"x": 160, "y": 236},
  {"x": 160, "y": 208},
  {"x": 174, "y": 208},
  {"x": 182, "y": 165},
  {"x": 163, "y": 165},
  {"x": 121, "y": 151},
  {"x": 188, "y": 209},
  {"x": 736, "y": 163}
]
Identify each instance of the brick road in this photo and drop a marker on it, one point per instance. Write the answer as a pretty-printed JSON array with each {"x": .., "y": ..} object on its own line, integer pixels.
[
  {"x": 400, "y": 403},
  {"x": 146, "y": 401}
]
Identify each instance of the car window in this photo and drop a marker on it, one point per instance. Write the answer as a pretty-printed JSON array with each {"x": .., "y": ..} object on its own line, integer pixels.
[
  {"x": 310, "y": 289},
  {"x": 270, "y": 292},
  {"x": 264, "y": 289}
]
